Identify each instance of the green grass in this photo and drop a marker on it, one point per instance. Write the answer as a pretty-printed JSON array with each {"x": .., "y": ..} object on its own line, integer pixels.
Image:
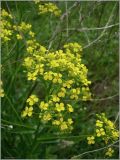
[{"x": 25, "y": 140}]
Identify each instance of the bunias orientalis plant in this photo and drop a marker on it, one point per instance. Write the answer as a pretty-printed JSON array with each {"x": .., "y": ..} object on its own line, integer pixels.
[{"x": 64, "y": 78}]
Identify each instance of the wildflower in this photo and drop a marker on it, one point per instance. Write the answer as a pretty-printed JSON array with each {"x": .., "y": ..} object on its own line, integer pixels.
[
  {"x": 48, "y": 75},
  {"x": 55, "y": 98},
  {"x": 75, "y": 93},
  {"x": 99, "y": 123},
  {"x": 63, "y": 68},
  {"x": 91, "y": 140},
  {"x": 56, "y": 122},
  {"x": 100, "y": 132},
  {"x": 115, "y": 134},
  {"x": 60, "y": 107},
  {"x": 68, "y": 83},
  {"x": 57, "y": 78},
  {"x": 32, "y": 34},
  {"x": 70, "y": 121},
  {"x": 32, "y": 100},
  {"x": 32, "y": 76},
  {"x": 54, "y": 64},
  {"x": 109, "y": 152},
  {"x": 27, "y": 112},
  {"x": 28, "y": 62},
  {"x": 39, "y": 68},
  {"x": 62, "y": 92},
  {"x": 110, "y": 124},
  {"x": 63, "y": 126},
  {"x": 19, "y": 36},
  {"x": 43, "y": 105},
  {"x": 70, "y": 108},
  {"x": 46, "y": 117},
  {"x": 30, "y": 49}
]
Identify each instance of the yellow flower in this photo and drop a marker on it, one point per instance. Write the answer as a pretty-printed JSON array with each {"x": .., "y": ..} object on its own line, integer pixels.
[
  {"x": 56, "y": 122},
  {"x": 30, "y": 49},
  {"x": 99, "y": 123},
  {"x": 91, "y": 140},
  {"x": 70, "y": 121},
  {"x": 32, "y": 100},
  {"x": 100, "y": 132},
  {"x": 27, "y": 112},
  {"x": 19, "y": 36},
  {"x": 55, "y": 98},
  {"x": 32, "y": 76},
  {"x": 109, "y": 152},
  {"x": 62, "y": 92},
  {"x": 28, "y": 61},
  {"x": 1, "y": 92},
  {"x": 115, "y": 135},
  {"x": 57, "y": 78},
  {"x": 70, "y": 108},
  {"x": 46, "y": 117},
  {"x": 110, "y": 124},
  {"x": 43, "y": 105},
  {"x": 48, "y": 75},
  {"x": 32, "y": 34},
  {"x": 68, "y": 83},
  {"x": 60, "y": 107},
  {"x": 75, "y": 93},
  {"x": 63, "y": 126},
  {"x": 54, "y": 64},
  {"x": 39, "y": 68}
]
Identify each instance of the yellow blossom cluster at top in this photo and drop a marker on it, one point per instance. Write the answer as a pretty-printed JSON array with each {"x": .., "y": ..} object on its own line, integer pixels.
[
  {"x": 48, "y": 8},
  {"x": 63, "y": 75},
  {"x": 6, "y": 26},
  {"x": 105, "y": 131}
]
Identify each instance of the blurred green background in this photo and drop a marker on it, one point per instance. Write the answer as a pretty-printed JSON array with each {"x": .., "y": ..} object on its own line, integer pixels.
[{"x": 93, "y": 24}]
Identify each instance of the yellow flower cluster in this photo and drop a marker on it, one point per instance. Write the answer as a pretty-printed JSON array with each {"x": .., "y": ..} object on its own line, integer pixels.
[
  {"x": 23, "y": 29},
  {"x": 49, "y": 8},
  {"x": 64, "y": 77},
  {"x": 6, "y": 26},
  {"x": 106, "y": 128},
  {"x": 1, "y": 90},
  {"x": 105, "y": 131},
  {"x": 27, "y": 112}
]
